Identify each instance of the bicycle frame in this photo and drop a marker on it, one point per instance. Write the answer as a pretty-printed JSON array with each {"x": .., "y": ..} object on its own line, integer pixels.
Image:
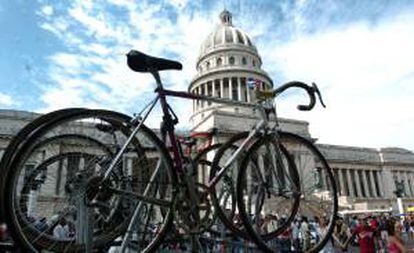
[{"x": 169, "y": 124}]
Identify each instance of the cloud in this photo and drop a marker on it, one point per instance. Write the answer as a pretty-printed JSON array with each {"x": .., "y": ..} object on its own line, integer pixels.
[
  {"x": 6, "y": 100},
  {"x": 93, "y": 68},
  {"x": 47, "y": 10},
  {"x": 359, "y": 54},
  {"x": 365, "y": 74}
]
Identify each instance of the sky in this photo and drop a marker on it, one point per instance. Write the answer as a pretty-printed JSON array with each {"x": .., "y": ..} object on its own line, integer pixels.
[{"x": 57, "y": 54}]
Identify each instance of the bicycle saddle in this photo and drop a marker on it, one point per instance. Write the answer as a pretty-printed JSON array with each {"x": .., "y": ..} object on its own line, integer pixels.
[{"x": 141, "y": 62}]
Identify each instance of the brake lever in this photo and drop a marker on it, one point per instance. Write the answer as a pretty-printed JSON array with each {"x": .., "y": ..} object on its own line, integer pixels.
[{"x": 316, "y": 89}]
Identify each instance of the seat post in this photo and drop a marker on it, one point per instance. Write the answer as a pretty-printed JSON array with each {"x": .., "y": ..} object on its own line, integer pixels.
[{"x": 157, "y": 77}]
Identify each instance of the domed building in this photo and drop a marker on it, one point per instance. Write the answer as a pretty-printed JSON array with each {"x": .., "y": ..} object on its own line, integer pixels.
[{"x": 227, "y": 59}]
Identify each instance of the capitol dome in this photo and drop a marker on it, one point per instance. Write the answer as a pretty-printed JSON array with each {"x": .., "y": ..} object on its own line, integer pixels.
[
  {"x": 227, "y": 60},
  {"x": 226, "y": 35}
]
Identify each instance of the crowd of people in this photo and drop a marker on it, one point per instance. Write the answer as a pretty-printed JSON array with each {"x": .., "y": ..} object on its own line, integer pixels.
[
  {"x": 370, "y": 234},
  {"x": 383, "y": 233},
  {"x": 379, "y": 233}
]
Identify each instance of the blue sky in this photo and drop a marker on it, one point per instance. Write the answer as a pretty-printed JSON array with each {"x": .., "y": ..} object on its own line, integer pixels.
[{"x": 57, "y": 54}]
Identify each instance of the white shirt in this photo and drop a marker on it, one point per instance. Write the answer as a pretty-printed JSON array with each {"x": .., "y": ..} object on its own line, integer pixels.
[{"x": 61, "y": 232}]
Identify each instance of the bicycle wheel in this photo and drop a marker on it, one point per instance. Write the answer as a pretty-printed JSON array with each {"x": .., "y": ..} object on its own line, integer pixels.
[
  {"x": 193, "y": 233},
  {"x": 57, "y": 176},
  {"x": 223, "y": 193},
  {"x": 20, "y": 138},
  {"x": 268, "y": 191},
  {"x": 317, "y": 201},
  {"x": 202, "y": 167}
]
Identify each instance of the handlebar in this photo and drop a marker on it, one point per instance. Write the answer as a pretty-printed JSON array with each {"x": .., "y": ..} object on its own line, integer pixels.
[{"x": 311, "y": 90}]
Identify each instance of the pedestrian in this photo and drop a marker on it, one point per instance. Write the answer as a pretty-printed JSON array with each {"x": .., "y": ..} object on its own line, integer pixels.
[
  {"x": 269, "y": 225},
  {"x": 406, "y": 225},
  {"x": 61, "y": 231},
  {"x": 305, "y": 233},
  {"x": 296, "y": 236},
  {"x": 353, "y": 223},
  {"x": 285, "y": 238},
  {"x": 365, "y": 235},
  {"x": 383, "y": 227},
  {"x": 322, "y": 230},
  {"x": 395, "y": 243},
  {"x": 411, "y": 233}
]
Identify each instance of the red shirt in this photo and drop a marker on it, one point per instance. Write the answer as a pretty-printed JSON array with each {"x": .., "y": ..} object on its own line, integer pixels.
[
  {"x": 374, "y": 224},
  {"x": 366, "y": 239}
]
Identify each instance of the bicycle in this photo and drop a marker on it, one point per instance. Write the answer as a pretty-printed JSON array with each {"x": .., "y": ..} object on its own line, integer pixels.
[
  {"x": 36, "y": 177},
  {"x": 148, "y": 191},
  {"x": 261, "y": 178}
]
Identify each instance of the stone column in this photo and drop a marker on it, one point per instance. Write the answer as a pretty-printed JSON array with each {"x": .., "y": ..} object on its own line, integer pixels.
[
  {"x": 350, "y": 184},
  {"x": 346, "y": 182},
  {"x": 222, "y": 88},
  {"x": 206, "y": 88},
  {"x": 342, "y": 182},
  {"x": 323, "y": 176},
  {"x": 196, "y": 101},
  {"x": 358, "y": 183},
  {"x": 230, "y": 88},
  {"x": 407, "y": 185},
  {"x": 247, "y": 91},
  {"x": 336, "y": 179},
  {"x": 365, "y": 183},
  {"x": 380, "y": 183},
  {"x": 214, "y": 89},
  {"x": 239, "y": 89},
  {"x": 373, "y": 186},
  {"x": 194, "y": 105},
  {"x": 398, "y": 176},
  {"x": 200, "y": 92},
  {"x": 410, "y": 176}
]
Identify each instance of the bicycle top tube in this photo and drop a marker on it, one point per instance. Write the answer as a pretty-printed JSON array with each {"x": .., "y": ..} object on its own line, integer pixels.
[{"x": 188, "y": 95}]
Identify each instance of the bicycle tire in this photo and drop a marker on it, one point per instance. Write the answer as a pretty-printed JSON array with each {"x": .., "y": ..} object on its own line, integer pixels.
[
  {"x": 227, "y": 219},
  {"x": 296, "y": 142},
  {"x": 22, "y": 136},
  {"x": 18, "y": 140},
  {"x": 203, "y": 163},
  {"x": 125, "y": 122},
  {"x": 30, "y": 179},
  {"x": 281, "y": 185}
]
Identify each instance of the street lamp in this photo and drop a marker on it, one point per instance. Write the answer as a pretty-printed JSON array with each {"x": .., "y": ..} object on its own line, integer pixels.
[
  {"x": 399, "y": 188},
  {"x": 399, "y": 192}
]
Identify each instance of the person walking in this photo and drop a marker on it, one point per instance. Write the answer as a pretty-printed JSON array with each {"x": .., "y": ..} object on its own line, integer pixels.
[
  {"x": 365, "y": 236},
  {"x": 383, "y": 227},
  {"x": 305, "y": 233},
  {"x": 61, "y": 231},
  {"x": 296, "y": 236},
  {"x": 322, "y": 230},
  {"x": 395, "y": 243}
]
